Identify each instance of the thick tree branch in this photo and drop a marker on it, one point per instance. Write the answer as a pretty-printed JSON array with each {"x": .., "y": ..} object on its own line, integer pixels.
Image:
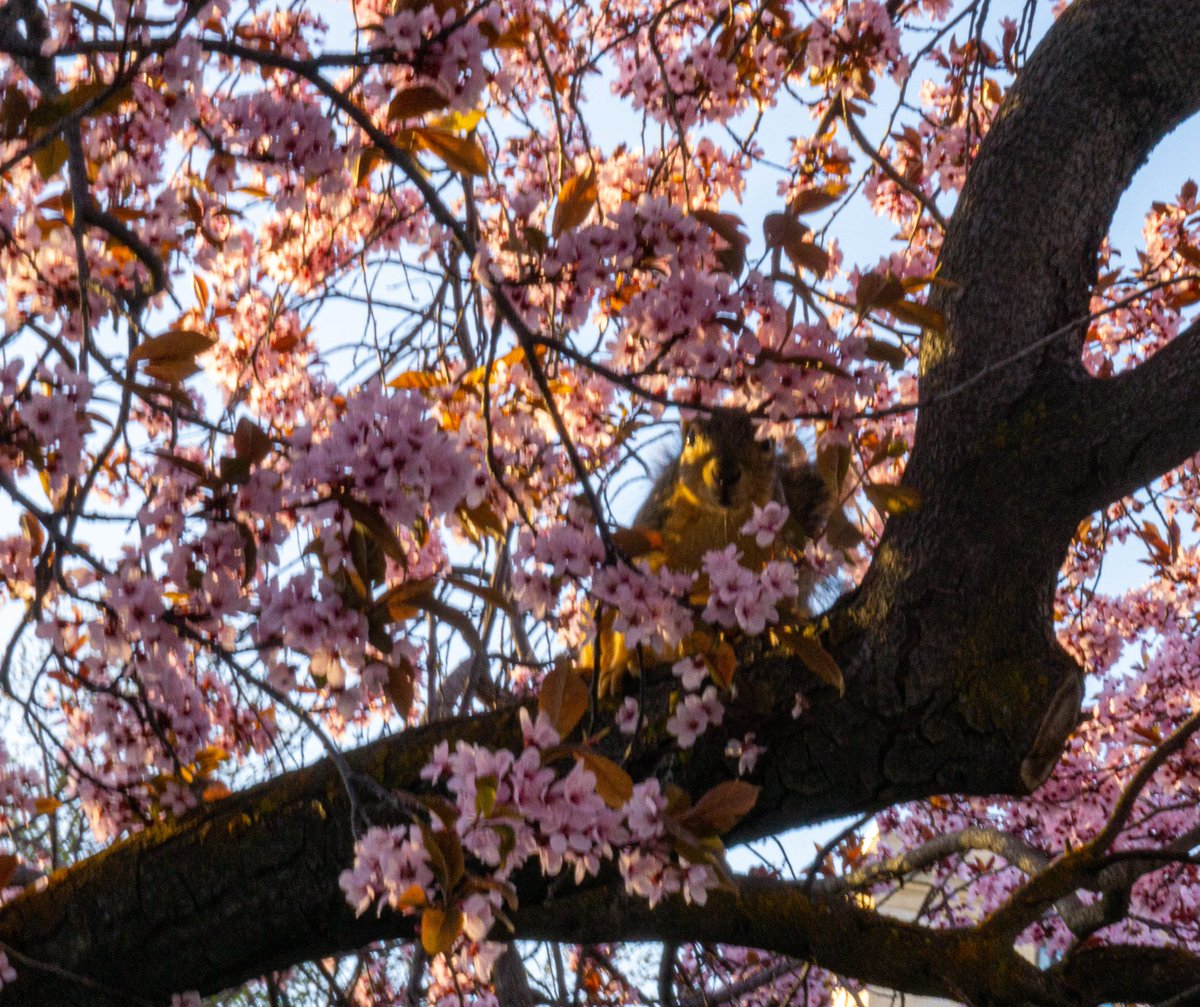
[
  {"x": 1134, "y": 426},
  {"x": 1130, "y": 974},
  {"x": 962, "y": 964}
]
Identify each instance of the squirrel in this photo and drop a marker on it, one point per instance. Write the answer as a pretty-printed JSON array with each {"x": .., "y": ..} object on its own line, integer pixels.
[{"x": 703, "y": 497}]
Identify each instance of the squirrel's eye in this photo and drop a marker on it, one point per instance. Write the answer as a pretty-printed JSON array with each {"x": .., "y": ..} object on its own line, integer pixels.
[
  {"x": 766, "y": 447},
  {"x": 689, "y": 438}
]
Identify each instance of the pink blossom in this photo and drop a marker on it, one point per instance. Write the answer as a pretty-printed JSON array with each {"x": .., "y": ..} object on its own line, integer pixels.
[
  {"x": 766, "y": 522},
  {"x": 540, "y": 733},
  {"x": 692, "y": 672},
  {"x": 694, "y": 715},
  {"x": 746, "y": 752},
  {"x": 628, "y": 716}
]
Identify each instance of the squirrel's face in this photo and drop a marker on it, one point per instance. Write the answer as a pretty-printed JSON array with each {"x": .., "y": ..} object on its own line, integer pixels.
[{"x": 723, "y": 464}]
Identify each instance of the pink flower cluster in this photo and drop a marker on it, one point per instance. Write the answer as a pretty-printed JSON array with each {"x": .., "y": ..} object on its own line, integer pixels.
[
  {"x": 55, "y": 414},
  {"x": 647, "y": 867},
  {"x": 388, "y": 864},
  {"x": 740, "y": 597},
  {"x": 646, "y": 603},
  {"x": 389, "y": 451},
  {"x": 695, "y": 714},
  {"x": 511, "y": 808}
]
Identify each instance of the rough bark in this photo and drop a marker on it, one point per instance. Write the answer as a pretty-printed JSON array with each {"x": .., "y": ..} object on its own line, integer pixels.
[{"x": 954, "y": 682}]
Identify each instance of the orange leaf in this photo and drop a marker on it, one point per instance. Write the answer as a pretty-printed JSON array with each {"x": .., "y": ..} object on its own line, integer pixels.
[
  {"x": 893, "y": 499},
  {"x": 613, "y": 784},
  {"x": 173, "y": 370},
  {"x": 462, "y": 153},
  {"x": 564, "y": 698},
  {"x": 418, "y": 380},
  {"x": 365, "y": 163},
  {"x": 918, "y": 314},
  {"x": 177, "y": 344},
  {"x": 439, "y": 929},
  {"x": 215, "y": 791},
  {"x": 513, "y": 37},
  {"x": 575, "y": 201},
  {"x": 31, "y": 528},
  {"x": 200, "y": 286},
  {"x": 516, "y": 355},
  {"x": 1151, "y": 734},
  {"x": 46, "y": 805},
  {"x": 413, "y": 897}
]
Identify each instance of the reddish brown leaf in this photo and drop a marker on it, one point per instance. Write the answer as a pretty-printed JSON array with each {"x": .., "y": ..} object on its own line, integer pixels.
[
  {"x": 781, "y": 228},
  {"x": 877, "y": 290},
  {"x": 635, "y": 542},
  {"x": 808, "y": 256},
  {"x": 250, "y": 441},
  {"x": 812, "y": 200},
  {"x": 50, "y": 157},
  {"x": 8, "y": 867},
  {"x": 416, "y": 101},
  {"x": 723, "y": 663},
  {"x": 399, "y": 686},
  {"x": 719, "y": 810},
  {"x": 46, "y": 805},
  {"x": 817, "y": 659}
]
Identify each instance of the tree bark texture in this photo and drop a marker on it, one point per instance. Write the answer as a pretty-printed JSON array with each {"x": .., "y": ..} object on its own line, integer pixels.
[{"x": 954, "y": 681}]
